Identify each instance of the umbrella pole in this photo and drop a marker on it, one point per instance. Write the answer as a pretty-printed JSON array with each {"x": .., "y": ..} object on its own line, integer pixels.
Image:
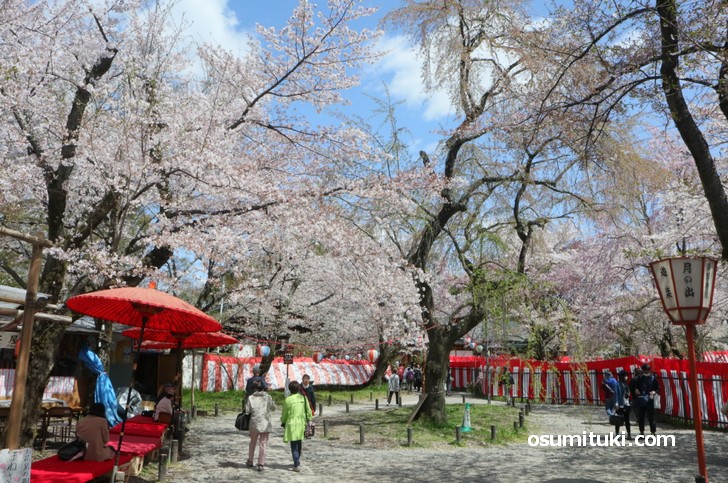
[
  {"x": 179, "y": 375},
  {"x": 128, "y": 398}
]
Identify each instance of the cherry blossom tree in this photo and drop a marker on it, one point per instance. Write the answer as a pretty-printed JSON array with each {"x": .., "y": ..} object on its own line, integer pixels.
[
  {"x": 663, "y": 59},
  {"x": 117, "y": 149}
]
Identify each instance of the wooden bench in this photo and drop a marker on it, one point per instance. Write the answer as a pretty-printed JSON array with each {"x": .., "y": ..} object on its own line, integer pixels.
[
  {"x": 142, "y": 437},
  {"x": 55, "y": 470}
]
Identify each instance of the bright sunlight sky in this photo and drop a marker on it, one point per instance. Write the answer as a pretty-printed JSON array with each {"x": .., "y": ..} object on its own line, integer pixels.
[{"x": 227, "y": 21}]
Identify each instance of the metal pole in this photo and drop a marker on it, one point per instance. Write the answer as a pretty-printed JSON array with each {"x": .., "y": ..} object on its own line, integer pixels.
[
  {"x": 12, "y": 435},
  {"x": 697, "y": 412}
]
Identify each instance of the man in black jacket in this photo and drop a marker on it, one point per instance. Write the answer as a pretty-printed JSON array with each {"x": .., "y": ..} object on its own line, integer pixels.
[{"x": 645, "y": 390}]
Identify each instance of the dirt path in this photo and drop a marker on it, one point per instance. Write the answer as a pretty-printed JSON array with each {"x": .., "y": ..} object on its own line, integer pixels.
[{"x": 216, "y": 452}]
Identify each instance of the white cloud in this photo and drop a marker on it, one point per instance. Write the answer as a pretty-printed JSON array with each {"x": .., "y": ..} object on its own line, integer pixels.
[
  {"x": 211, "y": 21},
  {"x": 401, "y": 70}
]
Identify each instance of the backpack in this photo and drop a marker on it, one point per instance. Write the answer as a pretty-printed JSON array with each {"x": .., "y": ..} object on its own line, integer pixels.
[{"x": 410, "y": 376}]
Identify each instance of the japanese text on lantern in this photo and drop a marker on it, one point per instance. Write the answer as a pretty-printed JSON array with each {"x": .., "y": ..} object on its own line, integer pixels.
[
  {"x": 668, "y": 290},
  {"x": 687, "y": 270}
]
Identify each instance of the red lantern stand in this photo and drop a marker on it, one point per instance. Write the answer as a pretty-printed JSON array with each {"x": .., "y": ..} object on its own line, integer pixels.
[{"x": 686, "y": 287}]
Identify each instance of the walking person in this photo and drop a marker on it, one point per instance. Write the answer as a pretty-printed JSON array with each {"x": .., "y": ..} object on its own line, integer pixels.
[
  {"x": 260, "y": 406},
  {"x": 645, "y": 390},
  {"x": 409, "y": 377},
  {"x": 393, "y": 388},
  {"x": 612, "y": 396},
  {"x": 418, "y": 378},
  {"x": 625, "y": 404},
  {"x": 308, "y": 391},
  {"x": 296, "y": 415}
]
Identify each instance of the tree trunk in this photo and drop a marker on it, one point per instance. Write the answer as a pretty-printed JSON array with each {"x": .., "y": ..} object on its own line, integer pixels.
[
  {"x": 435, "y": 374},
  {"x": 44, "y": 353},
  {"x": 267, "y": 361},
  {"x": 686, "y": 125},
  {"x": 386, "y": 354}
]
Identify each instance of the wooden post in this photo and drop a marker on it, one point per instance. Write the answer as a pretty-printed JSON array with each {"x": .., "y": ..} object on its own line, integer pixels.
[
  {"x": 371, "y": 396},
  {"x": 326, "y": 428},
  {"x": 217, "y": 409},
  {"x": 515, "y": 426},
  {"x": 329, "y": 399},
  {"x": 409, "y": 436},
  {"x": 194, "y": 412},
  {"x": 174, "y": 450},
  {"x": 492, "y": 431},
  {"x": 347, "y": 407},
  {"x": 321, "y": 409},
  {"x": 457, "y": 434},
  {"x": 12, "y": 433},
  {"x": 352, "y": 399},
  {"x": 463, "y": 398},
  {"x": 162, "y": 475},
  {"x": 376, "y": 404},
  {"x": 520, "y": 419},
  {"x": 361, "y": 434}
]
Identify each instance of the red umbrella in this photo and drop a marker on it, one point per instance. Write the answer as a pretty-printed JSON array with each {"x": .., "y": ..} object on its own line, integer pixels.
[
  {"x": 160, "y": 339},
  {"x": 145, "y": 308},
  {"x": 163, "y": 339}
]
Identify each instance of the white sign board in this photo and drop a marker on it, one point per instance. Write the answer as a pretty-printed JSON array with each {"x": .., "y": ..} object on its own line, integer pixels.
[
  {"x": 8, "y": 339},
  {"x": 15, "y": 465}
]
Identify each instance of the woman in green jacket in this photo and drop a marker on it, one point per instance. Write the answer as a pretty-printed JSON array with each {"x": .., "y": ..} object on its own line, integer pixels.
[{"x": 296, "y": 414}]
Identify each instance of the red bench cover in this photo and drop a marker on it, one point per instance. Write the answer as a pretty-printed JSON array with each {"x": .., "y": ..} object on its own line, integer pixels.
[
  {"x": 136, "y": 445},
  {"x": 141, "y": 426},
  {"x": 54, "y": 470}
]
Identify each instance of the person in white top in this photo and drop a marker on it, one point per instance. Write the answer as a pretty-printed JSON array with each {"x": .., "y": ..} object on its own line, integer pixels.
[
  {"x": 393, "y": 388},
  {"x": 260, "y": 406},
  {"x": 164, "y": 408}
]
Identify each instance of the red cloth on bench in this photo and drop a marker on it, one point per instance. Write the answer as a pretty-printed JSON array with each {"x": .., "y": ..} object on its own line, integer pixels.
[
  {"x": 54, "y": 470},
  {"x": 141, "y": 426},
  {"x": 136, "y": 445}
]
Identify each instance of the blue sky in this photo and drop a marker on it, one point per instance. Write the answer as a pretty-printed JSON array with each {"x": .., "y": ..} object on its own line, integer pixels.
[{"x": 226, "y": 22}]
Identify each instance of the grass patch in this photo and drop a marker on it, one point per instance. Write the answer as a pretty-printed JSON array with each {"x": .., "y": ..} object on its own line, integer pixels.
[
  {"x": 388, "y": 427},
  {"x": 232, "y": 401}
]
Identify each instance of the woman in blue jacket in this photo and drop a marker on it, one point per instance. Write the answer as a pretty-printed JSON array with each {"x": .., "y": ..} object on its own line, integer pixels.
[{"x": 613, "y": 395}]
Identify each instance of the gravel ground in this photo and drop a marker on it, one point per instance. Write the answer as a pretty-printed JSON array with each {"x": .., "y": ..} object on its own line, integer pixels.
[{"x": 216, "y": 452}]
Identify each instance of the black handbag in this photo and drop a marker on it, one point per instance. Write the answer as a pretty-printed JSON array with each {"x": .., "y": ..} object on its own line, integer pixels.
[
  {"x": 616, "y": 420},
  {"x": 310, "y": 430},
  {"x": 242, "y": 422},
  {"x": 73, "y": 450}
]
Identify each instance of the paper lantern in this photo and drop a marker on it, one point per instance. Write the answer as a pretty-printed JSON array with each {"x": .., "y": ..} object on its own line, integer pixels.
[
  {"x": 472, "y": 345},
  {"x": 346, "y": 358},
  {"x": 317, "y": 356},
  {"x": 372, "y": 355},
  {"x": 263, "y": 350},
  {"x": 332, "y": 357},
  {"x": 479, "y": 348}
]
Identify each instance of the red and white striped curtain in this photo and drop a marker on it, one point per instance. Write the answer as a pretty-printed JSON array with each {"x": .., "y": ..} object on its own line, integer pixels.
[
  {"x": 561, "y": 382},
  {"x": 222, "y": 373}
]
